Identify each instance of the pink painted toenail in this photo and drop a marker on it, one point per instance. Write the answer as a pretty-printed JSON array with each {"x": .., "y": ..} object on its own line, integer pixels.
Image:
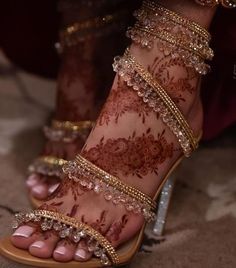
[
  {"x": 60, "y": 250},
  {"x": 32, "y": 180},
  {"x": 38, "y": 244},
  {"x": 24, "y": 231},
  {"x": 80, "y": 254},
  {"x": 39, "y": 189},
  {"x": 53, "y": 188}
]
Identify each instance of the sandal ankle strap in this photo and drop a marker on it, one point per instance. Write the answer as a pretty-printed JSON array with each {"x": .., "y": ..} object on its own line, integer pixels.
[
  {"x": 68, "y": 131},
  {"x": 47, "y": 166}
]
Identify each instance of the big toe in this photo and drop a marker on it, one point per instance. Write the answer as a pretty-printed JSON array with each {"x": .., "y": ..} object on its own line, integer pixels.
[
  {"x": 24, "y": 236},
  {"x": 40, "y": 191}
]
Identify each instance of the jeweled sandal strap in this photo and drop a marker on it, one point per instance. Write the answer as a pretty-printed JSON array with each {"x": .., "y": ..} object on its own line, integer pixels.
[
  {"x": 173, "y": 35},
  {"x": 73, "y": 229},
  {"x": 70, "y": 125},
  {"x": 48, "y": 166},
  {"x": 97, "y": 26},
  {"x": 179, "y": 19},
  {"x": 68, "y": 131},
  {"x": 212, "y": 3},
  {"x": 152, "y": 93},
  {"x": 94, "y": 178}
]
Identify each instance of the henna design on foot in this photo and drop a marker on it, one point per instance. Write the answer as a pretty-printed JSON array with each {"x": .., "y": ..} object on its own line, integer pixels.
[
  {"x": 120, "y": 101},
  {"x": 135, "y": 155}
]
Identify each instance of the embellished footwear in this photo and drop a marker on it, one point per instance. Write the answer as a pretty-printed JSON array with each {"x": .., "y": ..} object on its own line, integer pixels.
[
  {"x": 51, "y": 166},
  {"x": 107, "y": 184}
]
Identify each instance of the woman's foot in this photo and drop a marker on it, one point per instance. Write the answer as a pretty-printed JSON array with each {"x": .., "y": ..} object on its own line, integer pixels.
[
  {"x": 129, "y": 141},
  {"x": 82, "y": 87}
]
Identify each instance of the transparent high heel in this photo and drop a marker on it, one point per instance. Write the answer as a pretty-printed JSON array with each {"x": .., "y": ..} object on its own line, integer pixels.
[{"x": 163, "y": 206}]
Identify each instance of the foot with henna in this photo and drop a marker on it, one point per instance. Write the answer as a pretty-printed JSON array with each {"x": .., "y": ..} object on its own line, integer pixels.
[{"x": 151, "y": 119}]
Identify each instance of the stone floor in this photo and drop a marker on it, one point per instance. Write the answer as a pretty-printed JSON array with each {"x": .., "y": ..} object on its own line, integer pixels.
[{"x": 201, "y": 226}]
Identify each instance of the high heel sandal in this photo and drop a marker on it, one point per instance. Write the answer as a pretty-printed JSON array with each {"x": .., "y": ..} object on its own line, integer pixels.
[
  {"x": 112, "y": 188},
  {"x": 51, "y": 166}
]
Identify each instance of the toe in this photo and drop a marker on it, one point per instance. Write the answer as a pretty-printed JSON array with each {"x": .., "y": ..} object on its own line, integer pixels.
[
  {"x": 53, "y": 188},
  {"x": 64, "y": 251},
  {"x": 44, "y": 246},
  {"x": 82, "y": 253},
  {"x": 32, "y": 180},
  {"x": 24, "y": 236},
  {"x": 40, "y": 191}
]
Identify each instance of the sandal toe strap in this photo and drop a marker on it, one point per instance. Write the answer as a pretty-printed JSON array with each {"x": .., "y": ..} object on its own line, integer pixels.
[{"x": 73, "y": 229}]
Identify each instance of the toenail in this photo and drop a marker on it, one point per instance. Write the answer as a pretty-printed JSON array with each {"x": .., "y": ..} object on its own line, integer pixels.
[
  {"x": 32, "y": 180},
  {"x": 53, "y": 188},
  {"x": 24, "y": 231},
  {"x": 60, "y": 250},
  {"x": 80, "y": 254},
  {"x": 39, "y": 189},
  {"x": 38, "y": 244}
]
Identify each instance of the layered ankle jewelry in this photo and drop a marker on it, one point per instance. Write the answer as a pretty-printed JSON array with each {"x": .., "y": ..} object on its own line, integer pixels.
[
  {"x": 59, "y": 131},
  {"x": 173, "y": 34},
  {"x": 113, "y": 189},
  {"x": 67, "y": 131},
  {"x": 94, "y": 27},
  {"x": 212, "y": 3},
  {"x": 47, "y": 166}
]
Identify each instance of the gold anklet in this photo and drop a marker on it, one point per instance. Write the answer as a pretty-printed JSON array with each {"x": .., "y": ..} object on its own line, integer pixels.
[
  {"x": 212, "y": 3},
  {"x": 67, "y": 131},
  {"x": 48, "y": 166},
  {"x": 81, "y": 31},
  {"x": 73, "y": 229},
  {"x": 94, "y": 178},
  {"x": 174, "y": 35},
  {"x": 156, "y": 97}
]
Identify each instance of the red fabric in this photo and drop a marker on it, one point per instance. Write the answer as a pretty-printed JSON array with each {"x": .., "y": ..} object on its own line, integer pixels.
[
  {"x": 28, "y": 31},
  {"x": 219, "y": 87}
]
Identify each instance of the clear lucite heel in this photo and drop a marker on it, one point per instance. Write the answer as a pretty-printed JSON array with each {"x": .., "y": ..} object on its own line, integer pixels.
[{"x": 163, "y": 205}]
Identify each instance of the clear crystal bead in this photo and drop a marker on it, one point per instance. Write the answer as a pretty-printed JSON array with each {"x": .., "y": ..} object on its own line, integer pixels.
[
  {"x": 108, "y": 195},
  {"x": 104, "y": 259},
  {"x": 98, "y": 252},
  {"x": 65, "y": 232},
  {"x": 57, "y": 226},
  {"x": 76, "y": 236},
  {"x": 44, "y": 225},
  {"x": 15, "y": 224},
  {"x": 97, "y": 188}
]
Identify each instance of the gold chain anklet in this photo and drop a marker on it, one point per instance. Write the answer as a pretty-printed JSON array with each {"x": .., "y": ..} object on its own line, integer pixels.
[
  {"x": 67, "y": 131},
  {"x": 156, "y": 97},
  {"x": 94, "y": 178},
  {"x": 48, "y": 166},
  {"x": 73, "y": 229}
]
